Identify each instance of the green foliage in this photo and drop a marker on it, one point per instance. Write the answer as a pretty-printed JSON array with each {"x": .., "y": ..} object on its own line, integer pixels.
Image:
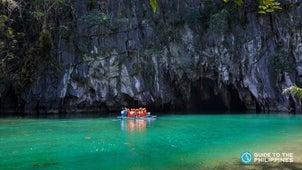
[
  {"x": 218, "y": 21},
  {"x": 205, "y": 15},
  {"x": 149, "y": 52},
  {"x": 294, "y": 90},
  {"x": 264, "y": 6},
  {"x": 193, "y": 16},
  {"x": 38, "y": 15},
  {"x": 219, "y": 18},
  {"x": 47, "y": 3},
  {"x": 6, "y": 32},
  {"x": 153, "y": 4},
  {"x": 238, "y": 2},
  {"x": 98, "y": 18},
  {"x": 267, "y": 6},
  {"x": 95, "y": 17},
  {"x": 280, "y": 62},
  {"x": 45, "y": 43},
  {"x": 26, "y": 41},
  {"x": 10, "y": 4}
]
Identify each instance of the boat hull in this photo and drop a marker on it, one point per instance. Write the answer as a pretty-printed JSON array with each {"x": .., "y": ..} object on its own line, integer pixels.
[{"x": 142, "y": 117}]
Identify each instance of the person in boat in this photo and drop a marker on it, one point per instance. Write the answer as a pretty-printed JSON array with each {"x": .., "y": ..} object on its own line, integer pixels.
[
  {"x": 131, "y": 113},
  {"x": 124, "y": 112},
  {"x": 134, "y": 112}
]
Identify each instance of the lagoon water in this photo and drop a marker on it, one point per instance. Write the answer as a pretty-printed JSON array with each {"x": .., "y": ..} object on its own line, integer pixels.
[{"x": 169, "y": 142}]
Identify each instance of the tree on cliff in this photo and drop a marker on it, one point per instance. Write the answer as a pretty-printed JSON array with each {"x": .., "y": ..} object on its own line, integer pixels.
[
  {"x": 30, "y": 32},
  {"x": 26, "y": 39},
  {"x": 294, "y": 90}
]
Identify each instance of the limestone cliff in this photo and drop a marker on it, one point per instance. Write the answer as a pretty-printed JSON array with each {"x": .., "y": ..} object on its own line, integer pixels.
[{"x": 191, "y": 55}]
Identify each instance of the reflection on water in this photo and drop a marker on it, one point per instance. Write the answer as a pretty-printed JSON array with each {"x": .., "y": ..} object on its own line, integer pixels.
[{"x": 132, "y": 125}]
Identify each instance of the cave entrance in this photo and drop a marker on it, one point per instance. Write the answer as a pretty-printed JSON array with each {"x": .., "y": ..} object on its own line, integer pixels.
[
  {"x": 235, "y": 103},
  {"x": 9, "y": 101},
  {"x": 206, "y": 96}
]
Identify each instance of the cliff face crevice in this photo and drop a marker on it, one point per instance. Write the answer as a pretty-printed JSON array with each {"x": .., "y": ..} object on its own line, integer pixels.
[{"x": 188, "y": 55}]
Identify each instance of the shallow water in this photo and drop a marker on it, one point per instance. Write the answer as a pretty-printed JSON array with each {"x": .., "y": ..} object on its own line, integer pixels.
[{"x": 169, "y": 142}]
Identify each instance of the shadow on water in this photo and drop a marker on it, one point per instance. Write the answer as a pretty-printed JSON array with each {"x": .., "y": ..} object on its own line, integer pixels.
[
  {"x": 40, "y": 165},
  {"x": 76, "y": 115}
]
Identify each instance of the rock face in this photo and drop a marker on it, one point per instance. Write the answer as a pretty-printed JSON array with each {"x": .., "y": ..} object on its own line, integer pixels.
[{"x": 189, "y": 55}]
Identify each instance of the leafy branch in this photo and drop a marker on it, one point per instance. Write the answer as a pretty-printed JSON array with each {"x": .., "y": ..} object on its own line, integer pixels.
[
  {"x": 153, "y": 4},
  {"x": 267, "y": 6},
  {"x": 238, "y": 2},
  {"x": 294, "y": 90},
  {"x": 264, "y": 6}
]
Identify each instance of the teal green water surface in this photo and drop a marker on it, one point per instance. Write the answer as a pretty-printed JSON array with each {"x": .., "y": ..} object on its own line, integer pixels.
[{"x": 169, "y": 142}]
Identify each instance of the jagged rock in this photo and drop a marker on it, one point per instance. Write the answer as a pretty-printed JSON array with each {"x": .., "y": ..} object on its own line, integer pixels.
[{"x": 171, "y": 60}]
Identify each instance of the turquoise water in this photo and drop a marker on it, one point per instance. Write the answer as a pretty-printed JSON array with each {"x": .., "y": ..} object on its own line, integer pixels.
[{"x": 169, "y": 142}]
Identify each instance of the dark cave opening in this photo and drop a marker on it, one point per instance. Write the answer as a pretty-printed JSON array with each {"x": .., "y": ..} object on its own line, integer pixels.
[
  {"x": 207, "y": 96},
  {"x": 9, "y": 101},
  {"x": 236, "y": 104},
  {"x": 128, "y": 101}
]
